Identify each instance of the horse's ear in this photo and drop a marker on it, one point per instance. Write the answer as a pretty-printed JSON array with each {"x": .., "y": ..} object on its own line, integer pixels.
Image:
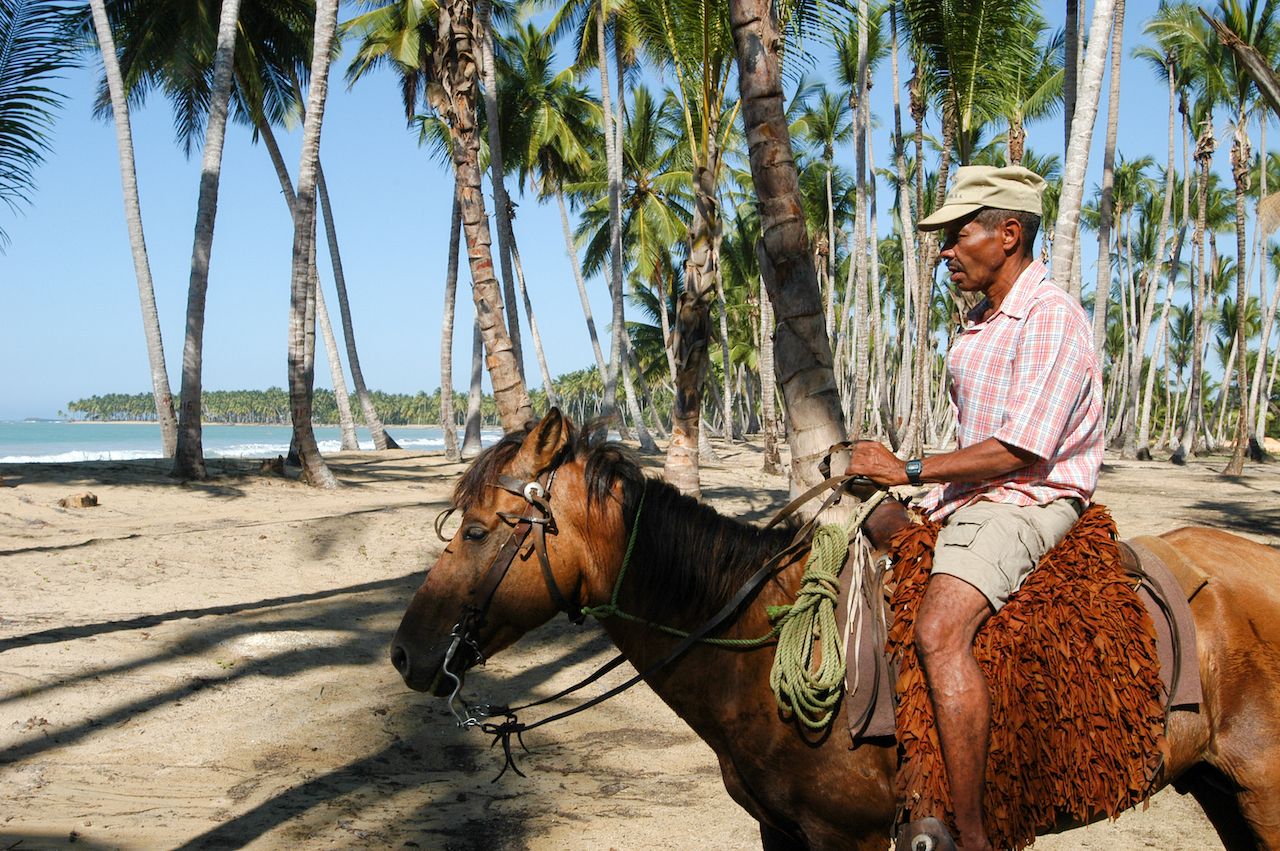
[{"x": 545, "y": 441}]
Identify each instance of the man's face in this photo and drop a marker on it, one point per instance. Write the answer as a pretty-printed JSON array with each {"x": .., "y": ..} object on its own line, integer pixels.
[{"x": 973, "y": 254}]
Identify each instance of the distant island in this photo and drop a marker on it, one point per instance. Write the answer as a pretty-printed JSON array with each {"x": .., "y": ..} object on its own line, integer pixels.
[{"x": 271, "y": 407}]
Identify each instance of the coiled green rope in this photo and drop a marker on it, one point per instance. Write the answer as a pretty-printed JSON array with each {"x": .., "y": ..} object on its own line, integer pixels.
[{"x": 807, "y": 684}]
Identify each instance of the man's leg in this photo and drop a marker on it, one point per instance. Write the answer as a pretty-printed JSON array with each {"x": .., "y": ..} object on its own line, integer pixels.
[{"x": 949, "y": 617}]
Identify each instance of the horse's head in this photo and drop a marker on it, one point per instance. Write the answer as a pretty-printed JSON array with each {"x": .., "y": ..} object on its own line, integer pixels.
[{"x": 519, "y": 556}]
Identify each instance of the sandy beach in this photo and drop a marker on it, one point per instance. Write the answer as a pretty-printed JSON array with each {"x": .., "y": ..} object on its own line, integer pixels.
[{"x": 204, "y": 666}]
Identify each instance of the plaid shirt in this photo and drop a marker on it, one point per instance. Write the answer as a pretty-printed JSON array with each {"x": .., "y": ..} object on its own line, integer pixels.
[{"x": 1029, "y": 377}]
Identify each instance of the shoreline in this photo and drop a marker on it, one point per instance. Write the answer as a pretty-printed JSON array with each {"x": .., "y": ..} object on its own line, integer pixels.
[{"x": 247, "y": 425}]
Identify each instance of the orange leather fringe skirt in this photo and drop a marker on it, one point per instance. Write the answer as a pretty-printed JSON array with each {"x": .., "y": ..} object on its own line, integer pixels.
[{"x": 1077, "y": 719}]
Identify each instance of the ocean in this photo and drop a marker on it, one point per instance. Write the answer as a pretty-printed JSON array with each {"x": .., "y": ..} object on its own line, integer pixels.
[{"x": 36, "y": 441}]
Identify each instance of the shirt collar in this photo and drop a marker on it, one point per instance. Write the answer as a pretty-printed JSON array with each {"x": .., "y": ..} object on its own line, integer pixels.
[{"x": 1021, "y": 294}]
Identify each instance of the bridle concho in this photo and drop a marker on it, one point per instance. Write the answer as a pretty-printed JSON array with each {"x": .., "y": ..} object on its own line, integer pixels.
[{"x": 466, "y": 631}]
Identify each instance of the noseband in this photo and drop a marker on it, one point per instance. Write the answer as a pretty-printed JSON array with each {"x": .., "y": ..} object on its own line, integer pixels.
[{"x": 536, "y": 520}]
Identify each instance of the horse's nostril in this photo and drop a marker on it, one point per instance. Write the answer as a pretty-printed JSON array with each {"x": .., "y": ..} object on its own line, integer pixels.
[{"x": 400, "y": 659}]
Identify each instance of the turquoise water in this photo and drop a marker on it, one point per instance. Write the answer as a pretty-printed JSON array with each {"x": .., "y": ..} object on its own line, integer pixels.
[{"x": 56, "y": 441}]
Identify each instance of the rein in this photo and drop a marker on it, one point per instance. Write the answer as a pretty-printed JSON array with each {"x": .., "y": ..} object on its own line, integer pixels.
[{"x": 465, "y": 631}]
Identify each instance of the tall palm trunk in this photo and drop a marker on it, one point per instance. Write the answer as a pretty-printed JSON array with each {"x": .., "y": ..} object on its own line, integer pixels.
[
  {"x": 1066, "y": 229},
  {"x": 346, "y": 422},
  {"x": 448, "y": 420},
  {"x": 454, "y": 63},
  {"x": 1257, "y": 401},
  {"x": 768, "y": 387},
  {"x": 314, "y": 470},
  {"x": 786, "y": 265},
  {"x": 903, "y": 410},
  {"x": 539, "y": 353},
  {"x": 381, "y": 440},
  {"x": 188, "y": 461},
  {"x": 1138, "y": 437},
  {"x": 732, "y": 429},
  {"x": 1205, "y": 145},
  {"x": 692, "y": 327},
  {"x": 501, "y": 201},
  {"x": 1240, "y": 156},
  {"x": 160, "y": 389},
  {"x": 861, "y": 128},
  {"x": 471, "y": 445},
  {"x": 612, "y": 156},
  {"x": 1102, "y": 284},
  {"x": 572, "y": 251}
]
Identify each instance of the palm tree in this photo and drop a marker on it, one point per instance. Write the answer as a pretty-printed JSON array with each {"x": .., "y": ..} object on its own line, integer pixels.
[
  {"x": 1253, "y": 23},
  {"x": 160, "y": 389},
  {"x": 1102, "y": 285},
  {"x": 447, "y": 418},
  {"x": 691, "y": 38},
  {"x": 33, "y": 52},
  {"x": 439, "y": 54},
  {"x": 1065, "y": 229},
  {"x": 189, "y": 456},
  {"x": 314, "y": 469},
  {"x": 786, "y": 265}
]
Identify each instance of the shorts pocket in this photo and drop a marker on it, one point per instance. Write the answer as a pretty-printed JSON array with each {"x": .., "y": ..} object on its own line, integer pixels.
[{"x": 961, "y": 533}]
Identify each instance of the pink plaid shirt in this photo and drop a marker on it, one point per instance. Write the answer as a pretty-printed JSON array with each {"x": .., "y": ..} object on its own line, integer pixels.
[{"x": 1027, "y": 376}]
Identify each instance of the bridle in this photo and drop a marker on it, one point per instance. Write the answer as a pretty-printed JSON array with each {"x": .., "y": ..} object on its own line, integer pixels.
[
  {"x": 538, "y": 498},
  {"x": 536, "y": 520}
]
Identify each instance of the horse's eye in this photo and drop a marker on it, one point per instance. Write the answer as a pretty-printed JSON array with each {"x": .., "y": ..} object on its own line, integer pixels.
[{"x": 475, "y": 532}]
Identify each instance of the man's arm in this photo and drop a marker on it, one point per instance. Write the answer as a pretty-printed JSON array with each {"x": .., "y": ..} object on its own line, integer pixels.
[{"x": 988, "y": 459}]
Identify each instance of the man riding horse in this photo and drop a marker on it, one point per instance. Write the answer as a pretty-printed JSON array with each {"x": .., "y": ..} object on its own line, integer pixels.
[{"x": 1026, "y": 389}]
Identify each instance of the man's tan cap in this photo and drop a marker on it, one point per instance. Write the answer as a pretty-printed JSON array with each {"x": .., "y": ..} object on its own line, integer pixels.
[{"x": 977, "y": 186}]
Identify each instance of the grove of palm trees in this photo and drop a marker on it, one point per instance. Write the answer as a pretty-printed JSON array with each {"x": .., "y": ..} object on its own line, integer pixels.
[
  {"x": 774, "y": 287},
  {"x": 689, "y": 224}
]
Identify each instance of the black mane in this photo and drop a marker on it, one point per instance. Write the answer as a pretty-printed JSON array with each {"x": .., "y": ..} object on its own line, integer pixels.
[{"x": 689, "y": 559}]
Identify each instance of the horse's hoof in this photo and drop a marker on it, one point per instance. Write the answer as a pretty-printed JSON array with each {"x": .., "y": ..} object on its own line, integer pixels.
[{"x": 926, "y": 834}]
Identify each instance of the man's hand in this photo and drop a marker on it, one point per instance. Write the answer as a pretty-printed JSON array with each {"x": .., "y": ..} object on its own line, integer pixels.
[{"x": 871, "y": 459}]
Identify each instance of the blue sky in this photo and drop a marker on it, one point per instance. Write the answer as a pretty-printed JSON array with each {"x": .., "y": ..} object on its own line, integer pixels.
[{"x": 71, "y": 319}]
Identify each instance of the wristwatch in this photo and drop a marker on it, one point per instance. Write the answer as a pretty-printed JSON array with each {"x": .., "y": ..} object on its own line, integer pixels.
[{"x": 914, "y": 467}]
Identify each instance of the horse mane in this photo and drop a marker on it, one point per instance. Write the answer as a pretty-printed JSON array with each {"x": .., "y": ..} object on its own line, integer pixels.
[{"x": 689, "y": 559}]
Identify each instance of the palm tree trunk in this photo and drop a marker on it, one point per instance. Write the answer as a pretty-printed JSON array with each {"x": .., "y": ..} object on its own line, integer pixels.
[
  {"x": 1066, "y": 229},
  {"x": 612, "y": 155},
  {"x": 786, "y": 264},
  {"x": 160, "y": 389},
  {"x": 768, "y": 387},
  {"x": 572, "y": 251},
  {"x": 1138, "y": 437},
  {"x": 314, "y": 470},
  {"x": 733, "y": 429},
  {"x": 1240, "y": 157},
  {"x": 381, "y": 440},
  {"x": 1102, "y": 284},
  {"x": 471, "y": 445},
  {"x": 448, "y": 420},
  {"x": 533, "y": 328},
  {"x": 501, "y": 201},
  {"x": 861, "y": 129},
  {"x": 1257, "y": 401},
  {"x": 1070, "y": 69},
  {"x": 1205, "y": 145},
  {"x": 188, "y": 461},
  {"x": 455, "y": 99},
  {"x": 692, "y": 328},
  {"x": 346, "y": 422},
  {"x": 904, "y": 410}
]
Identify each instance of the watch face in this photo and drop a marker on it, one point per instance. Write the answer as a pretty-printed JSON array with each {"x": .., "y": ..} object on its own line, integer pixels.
[{"x": 913, "y": 470}]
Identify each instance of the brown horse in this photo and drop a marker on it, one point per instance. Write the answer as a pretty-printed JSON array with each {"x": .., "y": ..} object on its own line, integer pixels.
[{"x": 688, "y": 561}]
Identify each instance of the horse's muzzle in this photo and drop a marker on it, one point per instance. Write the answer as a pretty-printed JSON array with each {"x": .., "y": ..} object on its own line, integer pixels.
[{"x": 421, "y": 671}]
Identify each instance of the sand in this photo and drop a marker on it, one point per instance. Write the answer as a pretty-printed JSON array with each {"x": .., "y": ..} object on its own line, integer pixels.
[{"x": 204, "y": 665}]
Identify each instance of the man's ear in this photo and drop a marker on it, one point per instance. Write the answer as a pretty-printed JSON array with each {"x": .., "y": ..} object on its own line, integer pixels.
[{"x": 1010, "y": 231}]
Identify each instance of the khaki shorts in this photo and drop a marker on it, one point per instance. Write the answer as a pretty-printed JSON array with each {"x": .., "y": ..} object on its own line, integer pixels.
[{"x": 994, "y": 546}]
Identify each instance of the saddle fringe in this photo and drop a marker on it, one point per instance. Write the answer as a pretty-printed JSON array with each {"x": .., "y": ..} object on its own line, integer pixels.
[{"x": 1077, "y": 722}]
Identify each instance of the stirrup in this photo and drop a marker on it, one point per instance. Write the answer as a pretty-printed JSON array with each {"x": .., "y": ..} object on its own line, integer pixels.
[{"x": 926, "y": 834}]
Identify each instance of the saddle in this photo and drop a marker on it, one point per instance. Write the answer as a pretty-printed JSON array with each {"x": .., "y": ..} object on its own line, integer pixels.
[{"x": 1113, "y": 715}]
